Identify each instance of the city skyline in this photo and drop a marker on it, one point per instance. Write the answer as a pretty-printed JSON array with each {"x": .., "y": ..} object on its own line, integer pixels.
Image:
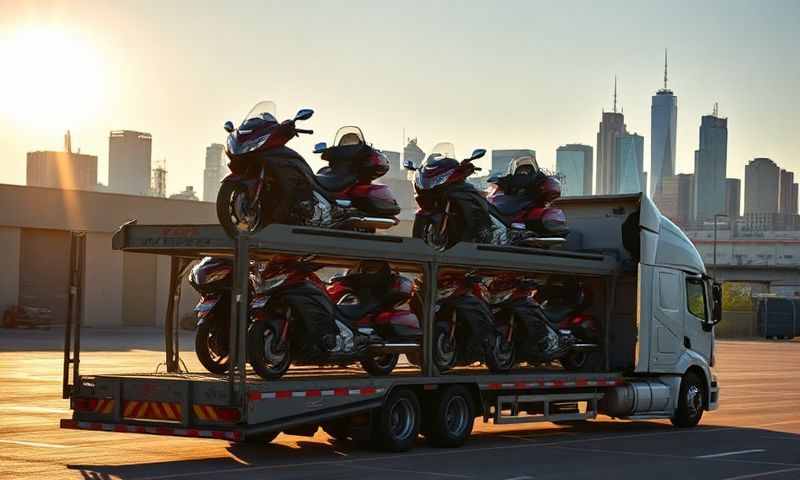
[{"x": 546, "y": 104}]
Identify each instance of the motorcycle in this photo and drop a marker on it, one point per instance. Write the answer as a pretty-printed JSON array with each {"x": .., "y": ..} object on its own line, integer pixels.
[
  {"x": 296, "y": 306},
  {"x": 541, "y": 333},
  {"x": 452, "y": 210},
  {"x": 271, "y": 183},
  {"x": 465, "y": 331},
  {"x": 212, "y": 278}
]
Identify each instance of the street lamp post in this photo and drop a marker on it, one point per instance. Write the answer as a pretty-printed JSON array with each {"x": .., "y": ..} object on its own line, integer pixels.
[{"x": 716, "y": 216}]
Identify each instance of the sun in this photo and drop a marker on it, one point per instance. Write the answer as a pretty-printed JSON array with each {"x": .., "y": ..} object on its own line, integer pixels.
[{"x": 52, "y": 77}]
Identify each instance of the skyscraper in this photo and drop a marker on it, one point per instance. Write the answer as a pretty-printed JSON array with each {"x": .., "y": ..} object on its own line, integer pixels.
[
  {"x": 612, "y": 126},
  {"x": 762, "y": 183},
  {"x": 574, "y": 165},
  {"x": 501, "y": 158},
  {"x": 710, "y": 166},
  {"x": 677, "y": 198},
  {"x": 733, "y": 197},
  {"x": 213, "y": 172},
  {"x": 68, "y": 170},
  {"x": 663, "y": 125},
  {"x": 787, "y": 193},
  {"x": 628, "y": 164},
  {"x": 129, "y": 162}
]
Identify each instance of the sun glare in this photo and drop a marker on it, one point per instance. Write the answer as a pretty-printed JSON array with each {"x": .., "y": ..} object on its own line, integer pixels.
[{"x": 53, "y": 77}]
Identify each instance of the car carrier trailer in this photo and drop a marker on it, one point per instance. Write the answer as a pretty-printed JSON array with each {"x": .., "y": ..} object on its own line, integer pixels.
[{"x": 655, "y": 358}]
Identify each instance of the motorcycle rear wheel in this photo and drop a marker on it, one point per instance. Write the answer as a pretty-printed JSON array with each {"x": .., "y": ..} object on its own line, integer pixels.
[
  {"x": 380, "y": 365},
  {"x": 268, "y": 359},
  {"x": 211, "y": 348},
  {"x": 234, "y": 211}
]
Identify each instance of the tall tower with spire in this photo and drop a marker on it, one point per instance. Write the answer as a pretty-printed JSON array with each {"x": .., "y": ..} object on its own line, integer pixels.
[
  {"x": 663, "y": 127},
  {"x": 612, "y": 126}
]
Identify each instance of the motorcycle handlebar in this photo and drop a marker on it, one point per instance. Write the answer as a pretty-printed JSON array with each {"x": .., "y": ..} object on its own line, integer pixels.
[{"x": 301, "y": 130}]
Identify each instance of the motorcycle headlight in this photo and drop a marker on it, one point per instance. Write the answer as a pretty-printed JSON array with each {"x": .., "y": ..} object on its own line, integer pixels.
[
  {"x": 443, "y": 293},
  {"x": 272, "y": 283},
  {"x": 426, "y": 183}
]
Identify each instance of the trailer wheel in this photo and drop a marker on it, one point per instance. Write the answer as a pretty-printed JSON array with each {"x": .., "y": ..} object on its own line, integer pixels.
[
  {"x": 261, "y": 437},
  {"x": 452, "y": 418},
  {"x": 690, "y": 402},
  {"x": 211, "y": 349},
  {"x": 338, "y": 429},
  {"x": 269, "y": 359},
  {"x": 396, "y": 423},
  {"x": 380, "y": 365}
]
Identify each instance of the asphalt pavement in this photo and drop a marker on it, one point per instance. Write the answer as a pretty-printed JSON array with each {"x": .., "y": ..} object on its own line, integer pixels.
[{"x": 755, "y": 434}]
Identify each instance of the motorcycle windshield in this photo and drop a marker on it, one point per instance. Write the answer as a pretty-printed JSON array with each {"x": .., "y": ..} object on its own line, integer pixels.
[
  {"x": 442, "y": 150},
  {"x": 437, "y": 168},
  {"x": 262, "y": 112},
  {"x": 350, "y": 135}
]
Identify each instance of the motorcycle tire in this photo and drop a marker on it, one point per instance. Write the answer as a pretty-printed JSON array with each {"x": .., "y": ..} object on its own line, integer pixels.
[
  {"x": 380, "y": 365},
  {"x": 444, "y": 351},
  {"x": 227, "y": 195},
  {"x": 213, "y": 357},
  {"x": 500, "y": 356},
  {"x": 575, "y": 361},
  {"x": 262, "y": 340}
]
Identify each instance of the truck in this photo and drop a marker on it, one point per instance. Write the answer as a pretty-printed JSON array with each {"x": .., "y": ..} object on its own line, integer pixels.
[{"x": 656, "y": 304}]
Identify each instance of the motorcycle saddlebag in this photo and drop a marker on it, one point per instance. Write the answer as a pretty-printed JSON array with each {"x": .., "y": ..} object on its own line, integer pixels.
[{"x": 375, "y": 199}]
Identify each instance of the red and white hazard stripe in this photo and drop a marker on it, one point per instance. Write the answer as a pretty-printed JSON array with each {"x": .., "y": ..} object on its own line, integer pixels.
[
  {"x": 333, "y": 392},
  {"x": 581, "y": 382},
  {"x": 181, "y": 432}
]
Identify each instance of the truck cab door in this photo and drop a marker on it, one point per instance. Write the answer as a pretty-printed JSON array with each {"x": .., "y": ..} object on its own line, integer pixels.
[
  {"x": 666, "y": 337},
  {"x": 698, "y": 317}
]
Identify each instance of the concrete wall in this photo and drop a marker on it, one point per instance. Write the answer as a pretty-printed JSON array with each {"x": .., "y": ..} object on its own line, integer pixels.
[
  {"x": 9, "y": 266},
  {"x": 102, "y": 290}
]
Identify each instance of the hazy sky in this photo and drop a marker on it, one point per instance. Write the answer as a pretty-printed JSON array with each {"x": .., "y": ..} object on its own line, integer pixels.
[{"x": 480, "y": 74}]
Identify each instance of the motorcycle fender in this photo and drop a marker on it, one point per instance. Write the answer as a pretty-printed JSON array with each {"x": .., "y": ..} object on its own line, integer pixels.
[{"x": 236, "y": 178}]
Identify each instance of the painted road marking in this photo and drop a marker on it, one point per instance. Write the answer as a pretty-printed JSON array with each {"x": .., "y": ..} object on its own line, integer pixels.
[
  {"x": 762, "y": 474},
  {"x": 14, "y": 408},
  {"x": 524, "y": 477},
  {"x": 728, "y": 454},
  {"x": 34, "y": 444}
]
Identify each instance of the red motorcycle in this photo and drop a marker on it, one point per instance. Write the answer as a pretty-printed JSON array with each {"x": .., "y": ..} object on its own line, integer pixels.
[
  {"x": 271, "y": 183},
  {"x": 295, "y": 319}
]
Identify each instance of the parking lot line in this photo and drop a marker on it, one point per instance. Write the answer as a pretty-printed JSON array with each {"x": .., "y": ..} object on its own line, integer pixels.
[
  {"x": 728, "y": 454},
  {"x": 34, "y": 444}
]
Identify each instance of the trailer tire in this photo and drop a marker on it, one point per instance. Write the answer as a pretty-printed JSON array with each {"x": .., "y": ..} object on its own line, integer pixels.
[
  {"x": 380, "y": 365},
  {"x": 259, "y": 334},
  {"x": 261, "y": 438},
  {"x": 691, "y": 401},
  {"x": 452, "y": 418},
  {"x": 396, "y": 424},
  {"x": 204, "y": 349}
]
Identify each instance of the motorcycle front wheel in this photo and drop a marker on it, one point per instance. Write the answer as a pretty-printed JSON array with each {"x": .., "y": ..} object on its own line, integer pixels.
[
  {"x": 444, "y": 348},
  {"x": 211, "y": 348},
  {"x": 269, "y": 358},
  {"x": 500, "y": 357},
  {"x": 380, "y": 365},
  {"x": 236, "y": 211}
]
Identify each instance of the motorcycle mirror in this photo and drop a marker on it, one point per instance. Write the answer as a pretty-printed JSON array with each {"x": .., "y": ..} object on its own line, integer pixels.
[
  {"x": 228, "y": 126},
  {"x": 477, "y": 153},
  {"x": 320, "y": 147},
  {"x": 409, "y": 165},
  {"x": 304, "y": 114}
]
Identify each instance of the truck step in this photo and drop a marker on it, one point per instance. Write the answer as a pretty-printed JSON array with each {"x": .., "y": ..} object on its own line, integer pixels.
[{"x": 545, "y": 408}]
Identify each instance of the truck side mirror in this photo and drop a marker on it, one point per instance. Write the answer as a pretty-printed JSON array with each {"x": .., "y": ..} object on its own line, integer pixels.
[{"x": 716, "y": 298}]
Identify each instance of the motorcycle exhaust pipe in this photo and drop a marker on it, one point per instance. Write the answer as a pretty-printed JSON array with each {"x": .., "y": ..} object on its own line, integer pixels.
[
  {"x": 372, "y": 222},
  {"x": 394, "y": 348}
]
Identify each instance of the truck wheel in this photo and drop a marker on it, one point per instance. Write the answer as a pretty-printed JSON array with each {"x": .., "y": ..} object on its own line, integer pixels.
[
  {"x": 261, "y": 437},
  {"x": 452, "y": 418},
  {"x": 380, "y": 365},
  {"x": 396, "y": 423},
  {"x": 690, "y": 402},
  {"x": 211, "y": 349},
  {"x": 269, "y": 359},
  {"x": 444, "y": 348},
  {"x": 338, "y": 429}
]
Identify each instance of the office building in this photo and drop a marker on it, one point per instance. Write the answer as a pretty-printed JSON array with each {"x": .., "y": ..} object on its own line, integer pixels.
[
  {"x": 501, "y": 158},
  {"x": 762, "y": 183},
  {"x": 663, "y": 127},
  {"x": 412, "y": 152},
  {"x": 396, "y": 169},
  {"x": 129, "y": 162},
  {"x": 676, "y": 198},
  {"x": 214, "y": 171},
  {"x": 67, "y": 169},
  {"x": 187, "y": 194},
  {"x": 733, "y": 198},
  {"x": 628, "y": 164},
  {"x": 612, "y": 126},
  {"x": 710, "y": 167},
  {"x": 788, "y": 195},
  {"x": 158, "y": 188},
  {"x": 574, "y": 166}
]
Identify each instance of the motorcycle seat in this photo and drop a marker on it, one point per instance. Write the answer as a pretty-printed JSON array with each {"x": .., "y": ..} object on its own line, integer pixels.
[
  {"x": 508, "y": 205},
  {"x": 334, "y": 183},
  {"x": 354, "y": 312}
]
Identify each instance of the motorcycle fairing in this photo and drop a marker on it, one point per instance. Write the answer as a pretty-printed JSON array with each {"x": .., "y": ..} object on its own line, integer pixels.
[{"x": 475, "y": 327}]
